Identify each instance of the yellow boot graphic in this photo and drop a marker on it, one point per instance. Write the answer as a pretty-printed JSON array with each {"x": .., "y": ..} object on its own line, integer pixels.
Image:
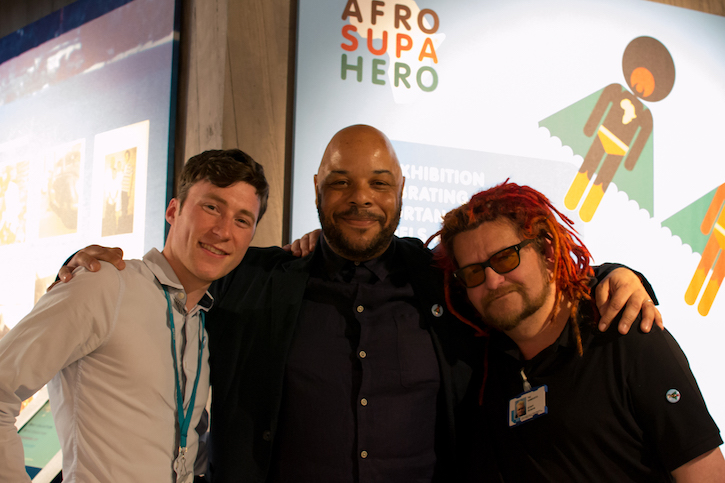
[
  {"x": 576, "y": 190},
  {"x": 695, "y": 285},
  {"x": 589, "y": 207}
]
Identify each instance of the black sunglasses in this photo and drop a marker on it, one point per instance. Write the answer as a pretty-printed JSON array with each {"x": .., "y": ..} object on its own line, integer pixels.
[{"x": 500, "y": 262}]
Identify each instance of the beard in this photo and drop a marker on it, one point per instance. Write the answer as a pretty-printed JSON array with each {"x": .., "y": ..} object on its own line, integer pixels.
[
  {"x": 509, "y": 319},
  {"x": 354, "y": 248}
]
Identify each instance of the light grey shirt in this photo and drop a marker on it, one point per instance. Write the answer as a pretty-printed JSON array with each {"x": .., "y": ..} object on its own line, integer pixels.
[{"x": 104, "y": 343}]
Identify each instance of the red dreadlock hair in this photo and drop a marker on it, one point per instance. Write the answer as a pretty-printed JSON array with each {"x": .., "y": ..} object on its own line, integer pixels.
[{"x": 533, "y": 214}]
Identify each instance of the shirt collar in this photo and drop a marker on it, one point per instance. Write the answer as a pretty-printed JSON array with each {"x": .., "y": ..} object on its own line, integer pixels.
[
  {"x": 334, "y": 264},
  {"x": 565, "y": 341},
  {"x": 160, "y": 267}
]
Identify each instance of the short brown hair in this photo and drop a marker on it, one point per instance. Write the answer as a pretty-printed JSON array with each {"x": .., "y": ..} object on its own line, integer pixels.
[{"x": 222, "y": 168}]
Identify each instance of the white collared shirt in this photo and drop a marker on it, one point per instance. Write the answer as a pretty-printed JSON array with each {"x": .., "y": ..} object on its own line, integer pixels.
[{"x": 104, "y": 343}]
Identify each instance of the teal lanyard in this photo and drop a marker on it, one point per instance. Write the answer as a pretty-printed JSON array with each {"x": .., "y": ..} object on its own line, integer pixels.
[{"x": 184, "y": 418}]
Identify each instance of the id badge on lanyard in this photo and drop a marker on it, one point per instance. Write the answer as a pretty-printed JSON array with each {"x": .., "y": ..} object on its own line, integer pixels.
[{"x": 528, "y": 405}]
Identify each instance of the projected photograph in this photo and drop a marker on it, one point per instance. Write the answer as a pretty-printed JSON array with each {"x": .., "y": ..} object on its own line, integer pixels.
[
  {"x": 118, "y": 192},
  {"x": 120, "y": 161},
  {"x": 60, "y": 190},
  {"x": 13, "y": 202}
]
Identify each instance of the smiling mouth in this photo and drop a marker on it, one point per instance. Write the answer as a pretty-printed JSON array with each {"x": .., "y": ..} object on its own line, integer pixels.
[
  {"x": 357, "y": 221},
  {"x": 212, "y": 249}
]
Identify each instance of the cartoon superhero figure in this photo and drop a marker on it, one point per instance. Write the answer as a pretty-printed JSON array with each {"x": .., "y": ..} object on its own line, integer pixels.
[{"x": 622, "y": 123}]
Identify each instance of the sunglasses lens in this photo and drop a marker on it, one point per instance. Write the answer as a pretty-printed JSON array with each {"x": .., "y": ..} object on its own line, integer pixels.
[
  {"x": 505, "y": 261},
  {"x": 473, "y": 275}
]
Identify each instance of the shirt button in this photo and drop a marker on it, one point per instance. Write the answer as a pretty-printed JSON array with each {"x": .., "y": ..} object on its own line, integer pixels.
[
  {"x": 360, "y": 308},
  {"x": 180, "y": 295},
  {"x": 364, "y": 402},
  {"x": 267, "y": 435},
  {"x": 363, "y": 454},
  {"x": 362, "y": 354}
]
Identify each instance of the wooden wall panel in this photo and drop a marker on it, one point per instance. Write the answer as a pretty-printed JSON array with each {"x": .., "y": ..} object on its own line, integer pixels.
[
  {"x": 257, "y": 92},
  {"x": 202, "y": 56}
]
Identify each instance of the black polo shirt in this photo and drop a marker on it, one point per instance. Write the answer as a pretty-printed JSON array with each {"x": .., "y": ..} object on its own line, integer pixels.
[
  {"x": 361, "y": 380},
  {"x": 628, "y": 410}
]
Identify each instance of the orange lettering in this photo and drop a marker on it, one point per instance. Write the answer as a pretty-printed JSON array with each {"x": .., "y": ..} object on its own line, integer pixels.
[
  {"x": 428, "y": 44},
  {"x": 399, "y": 47},
  {"x": 381, "y": 50},
  {"x": 353, "y": 40}
]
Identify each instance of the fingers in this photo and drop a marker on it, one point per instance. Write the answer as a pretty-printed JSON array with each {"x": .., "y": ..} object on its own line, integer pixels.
[
  {"x": 89, "y": 259},
  {"x": 620, "y": 289},
  {"x": 648, "y": 315},
  {"x": 651, "y": 316},
  {"x": 294, "y": 248},
  {"x": 637, "y": 303},
  {"x": 659, "y": 322},
  {"x": 309, "y": 242},
  {"x": 632, "y": 309},
  {"x": 97, "y": 252},
  {"x": 601, "y": 296},
  {"x": 304, "y": 245}
]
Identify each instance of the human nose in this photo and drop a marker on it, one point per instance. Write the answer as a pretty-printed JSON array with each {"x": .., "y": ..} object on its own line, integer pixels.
[
  {"x": 222, "y": 227},
  {"x": 361, "y": 195},
  {"x": 493, "y": 279}
]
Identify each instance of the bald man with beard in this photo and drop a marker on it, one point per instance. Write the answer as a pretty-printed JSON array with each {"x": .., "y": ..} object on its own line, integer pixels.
[{"x": 344, "y": 365}]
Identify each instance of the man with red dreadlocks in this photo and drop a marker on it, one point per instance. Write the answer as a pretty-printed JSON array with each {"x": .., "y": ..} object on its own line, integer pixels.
[{"x": 556, "y": 399}]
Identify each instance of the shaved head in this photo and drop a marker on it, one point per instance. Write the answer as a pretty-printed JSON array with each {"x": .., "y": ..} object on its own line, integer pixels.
[
  {"x": 359, "y": 140},
  {"x": 359, "y": 188}
]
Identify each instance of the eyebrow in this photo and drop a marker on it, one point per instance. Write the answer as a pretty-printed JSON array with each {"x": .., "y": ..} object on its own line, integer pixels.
[{"x": 222, "y": 201}]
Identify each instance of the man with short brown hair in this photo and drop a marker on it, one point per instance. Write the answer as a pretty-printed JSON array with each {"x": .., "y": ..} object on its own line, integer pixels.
[{"x": 125, "y": 353}]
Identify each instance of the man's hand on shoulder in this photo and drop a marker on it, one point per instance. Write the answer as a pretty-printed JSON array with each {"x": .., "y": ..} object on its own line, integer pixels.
[
  {"x": 304, "y": 245},
  {"x": 622, "y": 289},
  {"x": 90, "y": 258}
]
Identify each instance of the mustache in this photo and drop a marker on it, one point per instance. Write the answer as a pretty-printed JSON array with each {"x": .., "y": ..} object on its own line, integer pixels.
[
  {"x": 360, "y": 214},
  {"x": 499, "y": 292}
]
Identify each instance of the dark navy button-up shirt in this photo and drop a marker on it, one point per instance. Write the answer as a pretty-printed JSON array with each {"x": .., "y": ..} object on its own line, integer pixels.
[{"x": 361, "y": 380}]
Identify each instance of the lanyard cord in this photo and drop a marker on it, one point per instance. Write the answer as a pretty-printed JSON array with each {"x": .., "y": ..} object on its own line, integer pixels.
[
  {"x": 527, "y": 385},
  {"x": 184, "y": 419}
]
